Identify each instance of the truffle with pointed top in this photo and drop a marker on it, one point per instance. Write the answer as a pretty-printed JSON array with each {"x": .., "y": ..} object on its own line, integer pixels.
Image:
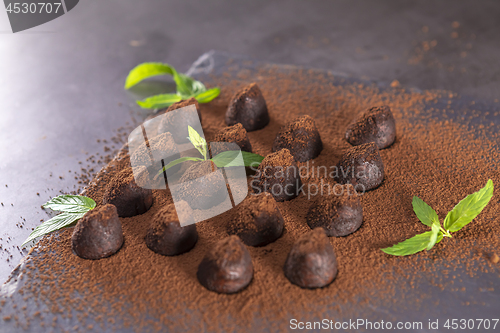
[
  {"x": 202, "y": 186},
  {"x": 339, "y": 213},
  {"x": 248, "y": 107},
  {"x": 259, "y": 220},
  {"x": 376, "y": 125},
  {"x": 166, "y": 235},
  {"x": 235, "y": 134},
  {"x": 362, "y": 167},
  {"x": 311, "y": 262},
  {"x": 278, "y": 174},
  {"x": 227, "y": 268},
  {"x": 129, "y": 199},
  {"x": 301, "y": 138},
  {"x": 98, "y": 234}
]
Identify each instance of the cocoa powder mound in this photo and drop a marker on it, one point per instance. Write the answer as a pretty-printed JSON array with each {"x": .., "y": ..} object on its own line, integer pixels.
[{"x": 434, "y": 157}]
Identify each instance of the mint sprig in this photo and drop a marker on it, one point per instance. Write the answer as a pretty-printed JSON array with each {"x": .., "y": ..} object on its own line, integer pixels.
[
  {"x": 73, "y": 207},
  {"x": 224, "y": 159},
  {"x": 461, "y": 215},
  {"x": 186, "y": 86}
]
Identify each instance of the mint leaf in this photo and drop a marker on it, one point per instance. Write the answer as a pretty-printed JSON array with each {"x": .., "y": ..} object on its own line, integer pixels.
[
  {"x": 146, "y": 70},
  {"x": 229, "y": 159},
  {"x": 467, "y": 209},
  {"x": 188, "y": 87},
  {"x": 159, "y": 101},
  {"x": 412, "y": 245},
  {"x": 208, "y": 95},
  {"x": 178, "y": 161},
  {"x": 198, "y": 141},
  {"x": 60, "y": 221},
  {"x": 70, "y": 204},
  {"x": 436, "y": 226},
  {"x": 424, "y": 212}
]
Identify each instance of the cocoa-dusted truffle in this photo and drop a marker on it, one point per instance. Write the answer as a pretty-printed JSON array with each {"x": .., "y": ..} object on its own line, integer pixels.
[
  {"x": 340, "y": 213},
  {"x": 237, "y": 134},
  {"x": 259, "y": 221},
  {"x": 227, "y": 268},
  {"x": 202, "y": 187},
  {"x": 177, "y": 122},
  {"x": 126, "y": 195},
  {"x": 151, "y": 153},
  {"x": 376, "y": 125},
  {"x": 98, "y": 234},
  {"x": 249, "y": 108},
  {"x": 279, "y": 175},
  {"x": 301, "y": 138},
  {"x": 183, "y": 103},
  {"x": 362, "y": 167},
  {"x": 166, "y": 236},
  {"x": 311, "y": 263}
]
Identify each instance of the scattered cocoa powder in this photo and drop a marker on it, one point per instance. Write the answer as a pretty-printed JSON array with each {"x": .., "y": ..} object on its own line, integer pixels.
[{"x": 439, "y": 159}]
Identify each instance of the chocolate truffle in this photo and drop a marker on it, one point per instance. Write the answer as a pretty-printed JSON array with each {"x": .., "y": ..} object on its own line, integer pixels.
[
  {"x": 202, "y": 187},
  {"x": 311, "y": 262},
  {"x": 362, "y": 167},
  {"x": 259, "y": 221},
  {"x": 98, "y": 234},
  {"x": 126, "y": 195},
  {"x": 227, "y": 268},
  {"x": 279, "y": 175},
  {"x": 339, "y": 213},
  {"x": 376, "y": 125},
  {"x": 237, "y": 134},
  {"x": 249, "y": 108},
  {"x": 177, "y": 122},
  {"x": 301, "y": 138},
  {"x": 157, "y": 149},
  {"x": 166, "y": 236}
]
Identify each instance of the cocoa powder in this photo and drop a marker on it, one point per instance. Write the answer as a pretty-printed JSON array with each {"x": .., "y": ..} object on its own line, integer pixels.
[{"x": 434, "y": 157}]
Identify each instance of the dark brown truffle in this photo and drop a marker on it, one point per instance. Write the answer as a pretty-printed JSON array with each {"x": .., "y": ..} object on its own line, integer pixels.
[
  {"x": 157, "y": 149},
  {"x": 202, "y": 187},
  {"x": 249, "y": 108},
  {"x": 279, "y": 175},
  {"x": 311, "y": 262},
  {"x": 236, "y": 134},
  {"x": 301, "y": 138},
  {"x": 127, "y": 196},
  {"x": 166, "y": 236},
  {"x": 376, "y": 125},
  {"x": 177, "y": 122},
  {"x": 362, "y": 167},
  {"x": 259, "y": 221},
  {"x": 98, "y": 234},
  {"x": 340, "y": 213},
  {"x": 226, "y": 268}
]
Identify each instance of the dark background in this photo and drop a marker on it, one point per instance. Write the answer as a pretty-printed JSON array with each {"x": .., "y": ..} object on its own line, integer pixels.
[{"x": 62, "y": 82}]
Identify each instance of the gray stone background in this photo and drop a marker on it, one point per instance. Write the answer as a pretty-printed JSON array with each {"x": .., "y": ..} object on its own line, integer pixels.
[{"x": 62, "y": 82}]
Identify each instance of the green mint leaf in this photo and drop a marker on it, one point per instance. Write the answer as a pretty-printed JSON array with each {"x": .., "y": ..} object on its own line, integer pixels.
[
  {"x": 434, "y": 235},
  {"x": 159, "y": 101},
  {"x": 188, "y": 87},
  {"x": 424, "y": 212},
  {"x": 467, "y": 209},
  {"x": 178, "y": 161},
  {"x": 70, "y": 204},
  {"x": 146, "y": 70},
  {"x": 197, "y": 141},
  {"x": 60, "y": 221},
  {"x": 412, "y": 245},
  {"x": 229, "y": 159},
  {"x": 207, "y": 96}
]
